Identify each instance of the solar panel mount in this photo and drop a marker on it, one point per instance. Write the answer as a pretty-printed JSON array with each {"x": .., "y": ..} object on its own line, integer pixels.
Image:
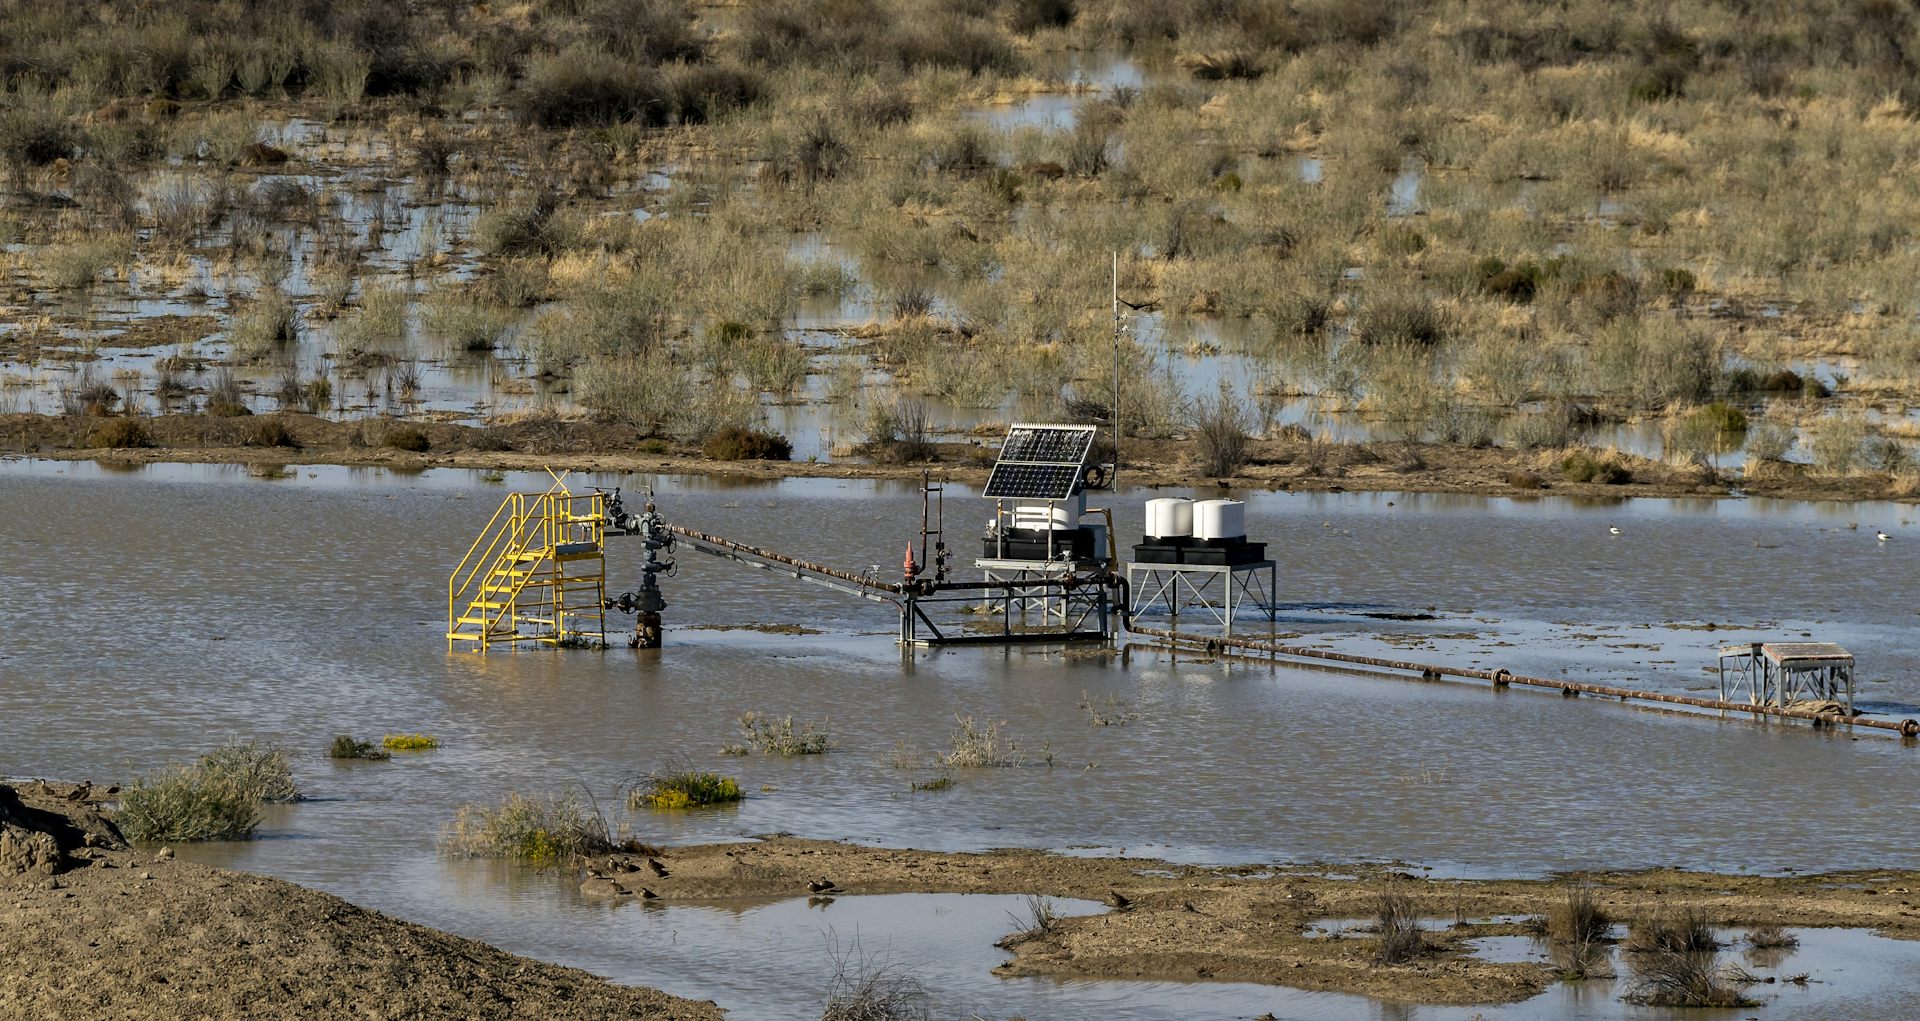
[{"x": 1040, "y": 462}]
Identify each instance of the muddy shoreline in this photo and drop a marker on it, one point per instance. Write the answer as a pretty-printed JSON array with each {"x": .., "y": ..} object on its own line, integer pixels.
[
  {"x": 133, "y": 932},
  {"x": 91, "y": 927},
  {"x": 1254, "y": 923},
  {"x": 1300, "y": 465}
]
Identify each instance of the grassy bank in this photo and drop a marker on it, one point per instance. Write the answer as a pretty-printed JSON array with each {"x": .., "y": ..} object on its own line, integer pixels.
[
  {"x": 1289, "y": 462},
  {"x": 1466, "y": 221}
]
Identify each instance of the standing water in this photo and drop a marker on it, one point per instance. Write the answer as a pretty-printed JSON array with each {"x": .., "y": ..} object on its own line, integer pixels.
[{"x": 161, "y": 610}]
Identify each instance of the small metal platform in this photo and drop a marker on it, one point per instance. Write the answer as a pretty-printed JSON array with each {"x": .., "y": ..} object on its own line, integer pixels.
[
  {"x": 1190, "y": 587},
  {"x": 1035, "y": 585},
  {"x": 1782, "y": 673}
]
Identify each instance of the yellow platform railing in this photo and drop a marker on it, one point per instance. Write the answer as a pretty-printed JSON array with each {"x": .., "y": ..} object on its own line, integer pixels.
[{"x": 515, "y": 577}]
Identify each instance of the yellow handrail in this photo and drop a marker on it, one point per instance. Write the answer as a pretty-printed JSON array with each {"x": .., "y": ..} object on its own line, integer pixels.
[
  {"x": 456, "y": 585},
  {"x": 518, "y": 526}
]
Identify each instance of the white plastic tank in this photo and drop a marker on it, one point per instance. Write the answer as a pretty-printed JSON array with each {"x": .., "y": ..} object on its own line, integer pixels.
[
  {"x": 1170, "y": 517},
  {"x": 1042, "y": 517},
  {"x": 1220, "y": 519}
]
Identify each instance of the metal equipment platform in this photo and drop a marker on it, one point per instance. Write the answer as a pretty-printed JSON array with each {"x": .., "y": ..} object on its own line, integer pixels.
[
  {"x": 1785, "y": 673},
  {"x": 1190, "y": 587}
]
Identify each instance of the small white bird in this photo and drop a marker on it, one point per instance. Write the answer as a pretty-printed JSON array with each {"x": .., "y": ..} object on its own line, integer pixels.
[
  {"x": 1613, "y": 529},
  {"x": 1882, "y": 536}
]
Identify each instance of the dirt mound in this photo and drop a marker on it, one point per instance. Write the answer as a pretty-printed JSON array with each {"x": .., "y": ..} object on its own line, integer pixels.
[
  {"x": 98, "y": 930},
  {"x": 55, "y": 836}
]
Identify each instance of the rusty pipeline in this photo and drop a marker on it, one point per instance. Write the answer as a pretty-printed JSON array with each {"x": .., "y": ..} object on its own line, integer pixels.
[
  {"x": 919, "y": 586},
  {"x": 781, "y": 558},
  {"x": 1502, "y": 678}
]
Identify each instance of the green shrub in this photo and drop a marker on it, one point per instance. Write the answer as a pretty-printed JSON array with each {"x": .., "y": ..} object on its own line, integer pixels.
[
  {"x": 768, "y": 736},
  {"x": 1519, "y": 282},
  {"x": 1398, "y": 319},
  {"x": 1885, "y": 454},
  {"x": 584, "y": 86},
  {"x": 1723, "y": 417},
  {"x": 1837, "y": 443},
  {"x": 1686, "y": 978},
  {"x": 684, "y": 789},
  {"x": 120, "y": 433},
  {"x": 261, "y": 772},
  {"x": 216, "y": 798},
  {"x": 707, "y": 92},
  {"x": 1677, "y": 282},
  {"x": 1787, "y": 381},
  {"x": 345, "y": 747},
  {"x": 1088, "y": 149},
  {"x": 1769, "y": 441},
  {"x": 271, "y": 432},
  {"x": 1220, "y": 434},
  {"x": 34, "y": 135},
  {"x": 975, "y": 745},
  {"x": 1578, "y": 918},
  {"x": 466, "y": 320},
  {"x": 77, "y": 264},
  {"x": 225, "y": 399},
  {"x": 1581, "y": 466},
  {"x": 268, "y": 325},
  {"x": 897, "y": 433},
  {"x": 407, "y": 438},
  {"x": 1400, "y": 937},
  {"x": 525, "y": 226},
  {"x": 1029, "y": 16},
  {"x": 410, "y": 742},
  {"x": 534, "y": 831},
  {"x": 186, "y": 803},
  {"x": 1673, "y": 932},
  {"x": 737, "y": 443}
]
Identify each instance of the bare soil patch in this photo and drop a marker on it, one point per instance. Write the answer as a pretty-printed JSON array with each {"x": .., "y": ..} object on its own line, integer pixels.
[{"x": 91, "y": 928}]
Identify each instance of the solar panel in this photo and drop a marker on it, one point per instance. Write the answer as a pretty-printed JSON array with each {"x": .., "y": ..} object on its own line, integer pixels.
[
  {"x": 1040, "y": 462},
  {"x": 1032, "y": 481},
  {"x": 1049, "y": 444}
]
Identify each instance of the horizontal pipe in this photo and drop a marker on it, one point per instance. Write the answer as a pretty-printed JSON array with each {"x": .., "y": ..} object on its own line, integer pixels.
[
  {"x": 1907, "y": 728},
  {"x": 923, "y": 587},
  {"x": 781, "y": 558}
]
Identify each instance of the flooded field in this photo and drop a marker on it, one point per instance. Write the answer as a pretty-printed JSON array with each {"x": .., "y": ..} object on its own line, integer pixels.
[{"x": 170, "y": 607}]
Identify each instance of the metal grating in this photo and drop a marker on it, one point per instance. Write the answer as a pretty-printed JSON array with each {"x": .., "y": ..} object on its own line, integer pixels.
[{"x": 1040, "y": 462}]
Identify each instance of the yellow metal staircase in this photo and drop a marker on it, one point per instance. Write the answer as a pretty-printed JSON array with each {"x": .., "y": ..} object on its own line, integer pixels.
[{"x": 537, "y": 573}]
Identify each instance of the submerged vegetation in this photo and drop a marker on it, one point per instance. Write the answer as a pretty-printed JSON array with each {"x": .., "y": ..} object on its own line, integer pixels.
[
  {"x": 409, "y": 742},
  {"x": 538, "y": 831},
  {"x": 344, "y": 746},
  {"x": 765, "y": 735},
  {"x": 687, "y": 788},
  {"x": 980, "y": 744}
]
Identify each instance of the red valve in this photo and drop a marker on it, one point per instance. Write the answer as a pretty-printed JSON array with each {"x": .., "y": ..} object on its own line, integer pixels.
[{"x": 912, "y": 569}]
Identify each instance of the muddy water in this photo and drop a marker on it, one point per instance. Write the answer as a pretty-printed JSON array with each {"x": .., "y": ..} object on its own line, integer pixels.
[{"x": 160, "y": 610}]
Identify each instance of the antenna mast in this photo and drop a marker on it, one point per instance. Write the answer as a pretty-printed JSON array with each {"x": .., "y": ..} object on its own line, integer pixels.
[{"x": 1113, "y": 414}]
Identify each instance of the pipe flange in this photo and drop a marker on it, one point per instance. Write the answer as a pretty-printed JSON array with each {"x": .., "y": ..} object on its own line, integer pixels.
[
  {"x": 1502, "y": 678},
  {"x": 1910, "y": 728},
  {"x": 1429, "y": 674}
]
